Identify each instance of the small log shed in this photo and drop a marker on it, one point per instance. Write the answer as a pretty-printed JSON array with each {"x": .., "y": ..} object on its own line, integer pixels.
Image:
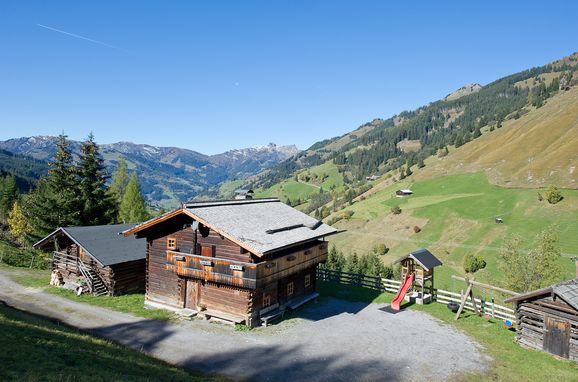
[
  {"x": 109, "y": 263},
  {"x": 547, "y": 319}
]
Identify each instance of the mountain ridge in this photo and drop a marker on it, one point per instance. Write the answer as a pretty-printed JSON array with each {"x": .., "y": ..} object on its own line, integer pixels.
[{"x": 168, "y": 175}]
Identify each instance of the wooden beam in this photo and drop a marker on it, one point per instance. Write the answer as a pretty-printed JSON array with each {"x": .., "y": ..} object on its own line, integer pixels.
[
  {"x": 464, "y": 299},
  {"x": 505, "y": 291}
]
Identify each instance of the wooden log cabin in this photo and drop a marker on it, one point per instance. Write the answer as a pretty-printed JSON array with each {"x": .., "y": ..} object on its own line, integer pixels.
[
  {"x": 99, "y": 256},
  {"x": 244, "y": 261},
  {"x": 547, "y": 319}
]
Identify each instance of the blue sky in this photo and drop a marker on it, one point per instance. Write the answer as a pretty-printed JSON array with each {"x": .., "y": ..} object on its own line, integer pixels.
[{"x": 213, "y": 76}]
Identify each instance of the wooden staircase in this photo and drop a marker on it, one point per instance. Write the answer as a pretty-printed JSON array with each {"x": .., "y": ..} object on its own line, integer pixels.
[{"x": 93, "y": 280}]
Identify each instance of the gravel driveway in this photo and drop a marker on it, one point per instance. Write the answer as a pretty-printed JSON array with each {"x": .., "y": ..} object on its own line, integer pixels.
[{"x": 331, "y": 340}]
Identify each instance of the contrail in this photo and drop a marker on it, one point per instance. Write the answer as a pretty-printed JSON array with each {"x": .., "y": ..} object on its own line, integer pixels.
[{"x": 81, "y": 37}]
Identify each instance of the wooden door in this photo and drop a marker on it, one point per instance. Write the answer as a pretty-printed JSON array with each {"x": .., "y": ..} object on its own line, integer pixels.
[
  {"x": 192, "y": 295},
  {"x": 557, "y": 337}
]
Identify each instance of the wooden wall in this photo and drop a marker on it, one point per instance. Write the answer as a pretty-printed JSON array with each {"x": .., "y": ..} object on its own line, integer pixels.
[
  {"x": 128, "y": 277},
  {"x": 165, "y": 286},
  {"x": 548, "y": 325}
]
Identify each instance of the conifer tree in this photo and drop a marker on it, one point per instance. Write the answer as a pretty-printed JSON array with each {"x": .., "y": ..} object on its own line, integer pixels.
[
  {"x": 132, "y": 208},
  {"x": 55, "y": 202},
  {"x": 97, "y": 205},
  {"x": 8, "y": 195},
  {"x": 119, "y": 181}
]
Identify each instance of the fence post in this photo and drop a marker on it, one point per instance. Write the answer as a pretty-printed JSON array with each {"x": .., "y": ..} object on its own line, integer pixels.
[{"x": 493, "y": 315}]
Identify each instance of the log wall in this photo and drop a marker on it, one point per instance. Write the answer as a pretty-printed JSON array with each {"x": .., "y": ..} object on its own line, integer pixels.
[{"x": 534, "y": 320}]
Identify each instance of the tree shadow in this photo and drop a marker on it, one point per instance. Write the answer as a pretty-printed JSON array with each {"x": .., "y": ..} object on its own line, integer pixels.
[
  {"x": 292, "y": 363},
  {"x": 144, "y": 335}
]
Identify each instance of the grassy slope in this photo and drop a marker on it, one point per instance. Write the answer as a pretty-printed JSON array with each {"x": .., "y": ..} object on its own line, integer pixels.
[
  {"x": 536, "y": 150},
  {"x": 33, "y": 349},
  {"x": 456, "y": 215},
  {"x": 455, "y": 204}
]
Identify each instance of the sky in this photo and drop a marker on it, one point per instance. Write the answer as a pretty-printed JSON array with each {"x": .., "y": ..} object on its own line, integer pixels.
[{"x": 215, "y": 75}]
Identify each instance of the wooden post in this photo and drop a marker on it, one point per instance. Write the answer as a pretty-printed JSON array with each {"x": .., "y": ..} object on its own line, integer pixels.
[
  {"x": 474, "y": 301},
  {"x": 463, "y": 303},
  {"x": 493, "y": 307}
]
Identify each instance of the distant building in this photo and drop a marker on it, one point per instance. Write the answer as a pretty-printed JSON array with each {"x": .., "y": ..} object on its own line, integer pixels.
[
  {"x": 402, "y": 193},
  {"x": 109, "y": 263},
  {"x": 237, "y": 260},
  {"x": 244, "y": 194},
  {"x": 372, "y": 177}
]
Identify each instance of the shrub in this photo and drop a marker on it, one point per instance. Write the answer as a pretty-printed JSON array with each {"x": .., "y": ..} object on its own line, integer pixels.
[
  {"x": 396, "y": 210},
  {"x": 416, "y": 229},
  {"x": 553, "y": 195},
  {"x": 540, "y": 197},
  {"x": 473, "y": 263},
  {"x": 380, "y": 249}
]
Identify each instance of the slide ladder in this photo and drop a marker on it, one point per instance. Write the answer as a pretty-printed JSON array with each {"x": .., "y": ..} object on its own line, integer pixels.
[{"x": 407, "y": 281}]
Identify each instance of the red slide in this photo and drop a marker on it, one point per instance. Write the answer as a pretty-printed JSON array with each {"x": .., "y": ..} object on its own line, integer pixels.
[{"x": 407, "y": 281}]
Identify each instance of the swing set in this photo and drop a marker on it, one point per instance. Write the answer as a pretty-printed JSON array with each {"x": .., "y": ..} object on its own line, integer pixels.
[{"x": 469, "y": 293}]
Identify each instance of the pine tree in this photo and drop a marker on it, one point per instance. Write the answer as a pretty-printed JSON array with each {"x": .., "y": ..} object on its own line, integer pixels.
[
  {"x": 132, "y": 208},
  {"x": 8, "y": 195},
  {"x": 119, "y": 181},
  {"x": 55, "y": 202},
  {"x": 19, "y": 227},
  {"x": 98, "y": 206}
]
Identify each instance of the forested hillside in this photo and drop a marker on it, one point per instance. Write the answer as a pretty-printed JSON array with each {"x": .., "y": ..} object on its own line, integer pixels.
[
  {"x": 26, "y": 170},
  {"x": 395, "y": 145}
]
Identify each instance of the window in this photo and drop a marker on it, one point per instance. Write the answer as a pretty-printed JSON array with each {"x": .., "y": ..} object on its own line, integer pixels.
[
  {"x": 172, "y": 243},
  {"x": 266, "y": 300},
  {"x": 307, "y": 281},
  {"x": 290, "y": 288}
]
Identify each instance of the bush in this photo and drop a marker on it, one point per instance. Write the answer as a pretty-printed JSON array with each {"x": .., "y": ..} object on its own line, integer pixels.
[
  {"x": 380, "y": 249},
  {"x": 473, "y": 263},
  {"x": 416, "y": 229},
  {"x": 17, "y": 257},
  {"x": 553, "y": 195},
  {"x": 540, "y": 197},
  {"x": 396, "y": 210}
]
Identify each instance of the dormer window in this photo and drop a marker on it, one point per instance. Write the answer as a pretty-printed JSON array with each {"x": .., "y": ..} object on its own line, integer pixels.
[{"x": 172, "y": 243}]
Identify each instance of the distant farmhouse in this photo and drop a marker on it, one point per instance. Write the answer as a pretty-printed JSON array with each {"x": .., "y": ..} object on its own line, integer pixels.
[
  {"x": 402, "y": 193},
  {"x": 98, "y": 256},
  {"x": 244, "y": 261},
  {"x": 244, "y": 194}
]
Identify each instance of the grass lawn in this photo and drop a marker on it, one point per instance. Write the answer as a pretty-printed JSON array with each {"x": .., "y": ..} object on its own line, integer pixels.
[
  {"x": 35, "y": 349},
  {"x": 456, "y": 216},
  {"x": 511, "y": 361}
]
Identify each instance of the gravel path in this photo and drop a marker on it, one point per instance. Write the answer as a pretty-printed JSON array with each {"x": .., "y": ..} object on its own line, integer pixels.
[{"x": 332, "y": 340}]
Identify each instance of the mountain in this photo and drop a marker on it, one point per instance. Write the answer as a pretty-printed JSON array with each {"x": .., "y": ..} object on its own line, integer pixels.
[
  {"x": 488, "y": 153},
  {"x": 25, "y": 169},
  {"x": 168, "y": 175},
  {"x": 463, "y": 91}
]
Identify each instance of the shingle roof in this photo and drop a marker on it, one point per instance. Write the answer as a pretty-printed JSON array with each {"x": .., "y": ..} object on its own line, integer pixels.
[
  {"x": 262, "y": 225},
  {"x": 568, "y": 291},
  {"x": 103, "y": 242},
  {"x": 424, "y": 257}
]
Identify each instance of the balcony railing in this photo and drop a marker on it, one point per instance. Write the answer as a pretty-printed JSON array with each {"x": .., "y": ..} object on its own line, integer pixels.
[{"x": 242, "y": 274}]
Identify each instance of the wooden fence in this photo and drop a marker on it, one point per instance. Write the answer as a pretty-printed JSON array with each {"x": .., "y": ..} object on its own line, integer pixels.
[{"x": 441, "y": 296}]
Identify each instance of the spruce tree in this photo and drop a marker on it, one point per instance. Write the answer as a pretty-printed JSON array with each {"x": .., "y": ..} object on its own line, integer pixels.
[
  {"x": 97, "y": 205},
  {"x": 132, "y": 208},
  {"x": 8, "y": 195},
  {"x": 55, "y": 202},
  {"x": 119, "y": 181}
]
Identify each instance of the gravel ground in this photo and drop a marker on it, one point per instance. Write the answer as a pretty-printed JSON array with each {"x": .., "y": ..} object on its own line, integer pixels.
[{"x": 331, "y": 340}]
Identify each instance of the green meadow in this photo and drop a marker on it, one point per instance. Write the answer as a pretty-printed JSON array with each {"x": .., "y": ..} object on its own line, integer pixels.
[{"x": 456, "y": 215}]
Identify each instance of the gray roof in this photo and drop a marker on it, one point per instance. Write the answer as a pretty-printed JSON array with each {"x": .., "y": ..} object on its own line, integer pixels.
[
  {"x": 103, "y": 242},
  {"x": 424, "y": 257},
  {"x": 568, "y": 291},
  {"x": 260, "y": 225}
]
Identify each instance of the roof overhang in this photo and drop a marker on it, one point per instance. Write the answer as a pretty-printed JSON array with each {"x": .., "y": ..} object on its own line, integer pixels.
[{"x": 63, "y": 231}]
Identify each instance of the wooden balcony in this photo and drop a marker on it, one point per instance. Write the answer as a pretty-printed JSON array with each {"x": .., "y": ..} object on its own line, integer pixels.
[{"x": 241, "y": 274}]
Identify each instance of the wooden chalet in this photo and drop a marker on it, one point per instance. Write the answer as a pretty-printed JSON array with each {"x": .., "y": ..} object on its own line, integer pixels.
[
  {"x": 244, "y": 261},
  {"x": 547, "y": 319},
  {"x": 99, "y": 256},
  {"x": 403, "y": 192}
]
